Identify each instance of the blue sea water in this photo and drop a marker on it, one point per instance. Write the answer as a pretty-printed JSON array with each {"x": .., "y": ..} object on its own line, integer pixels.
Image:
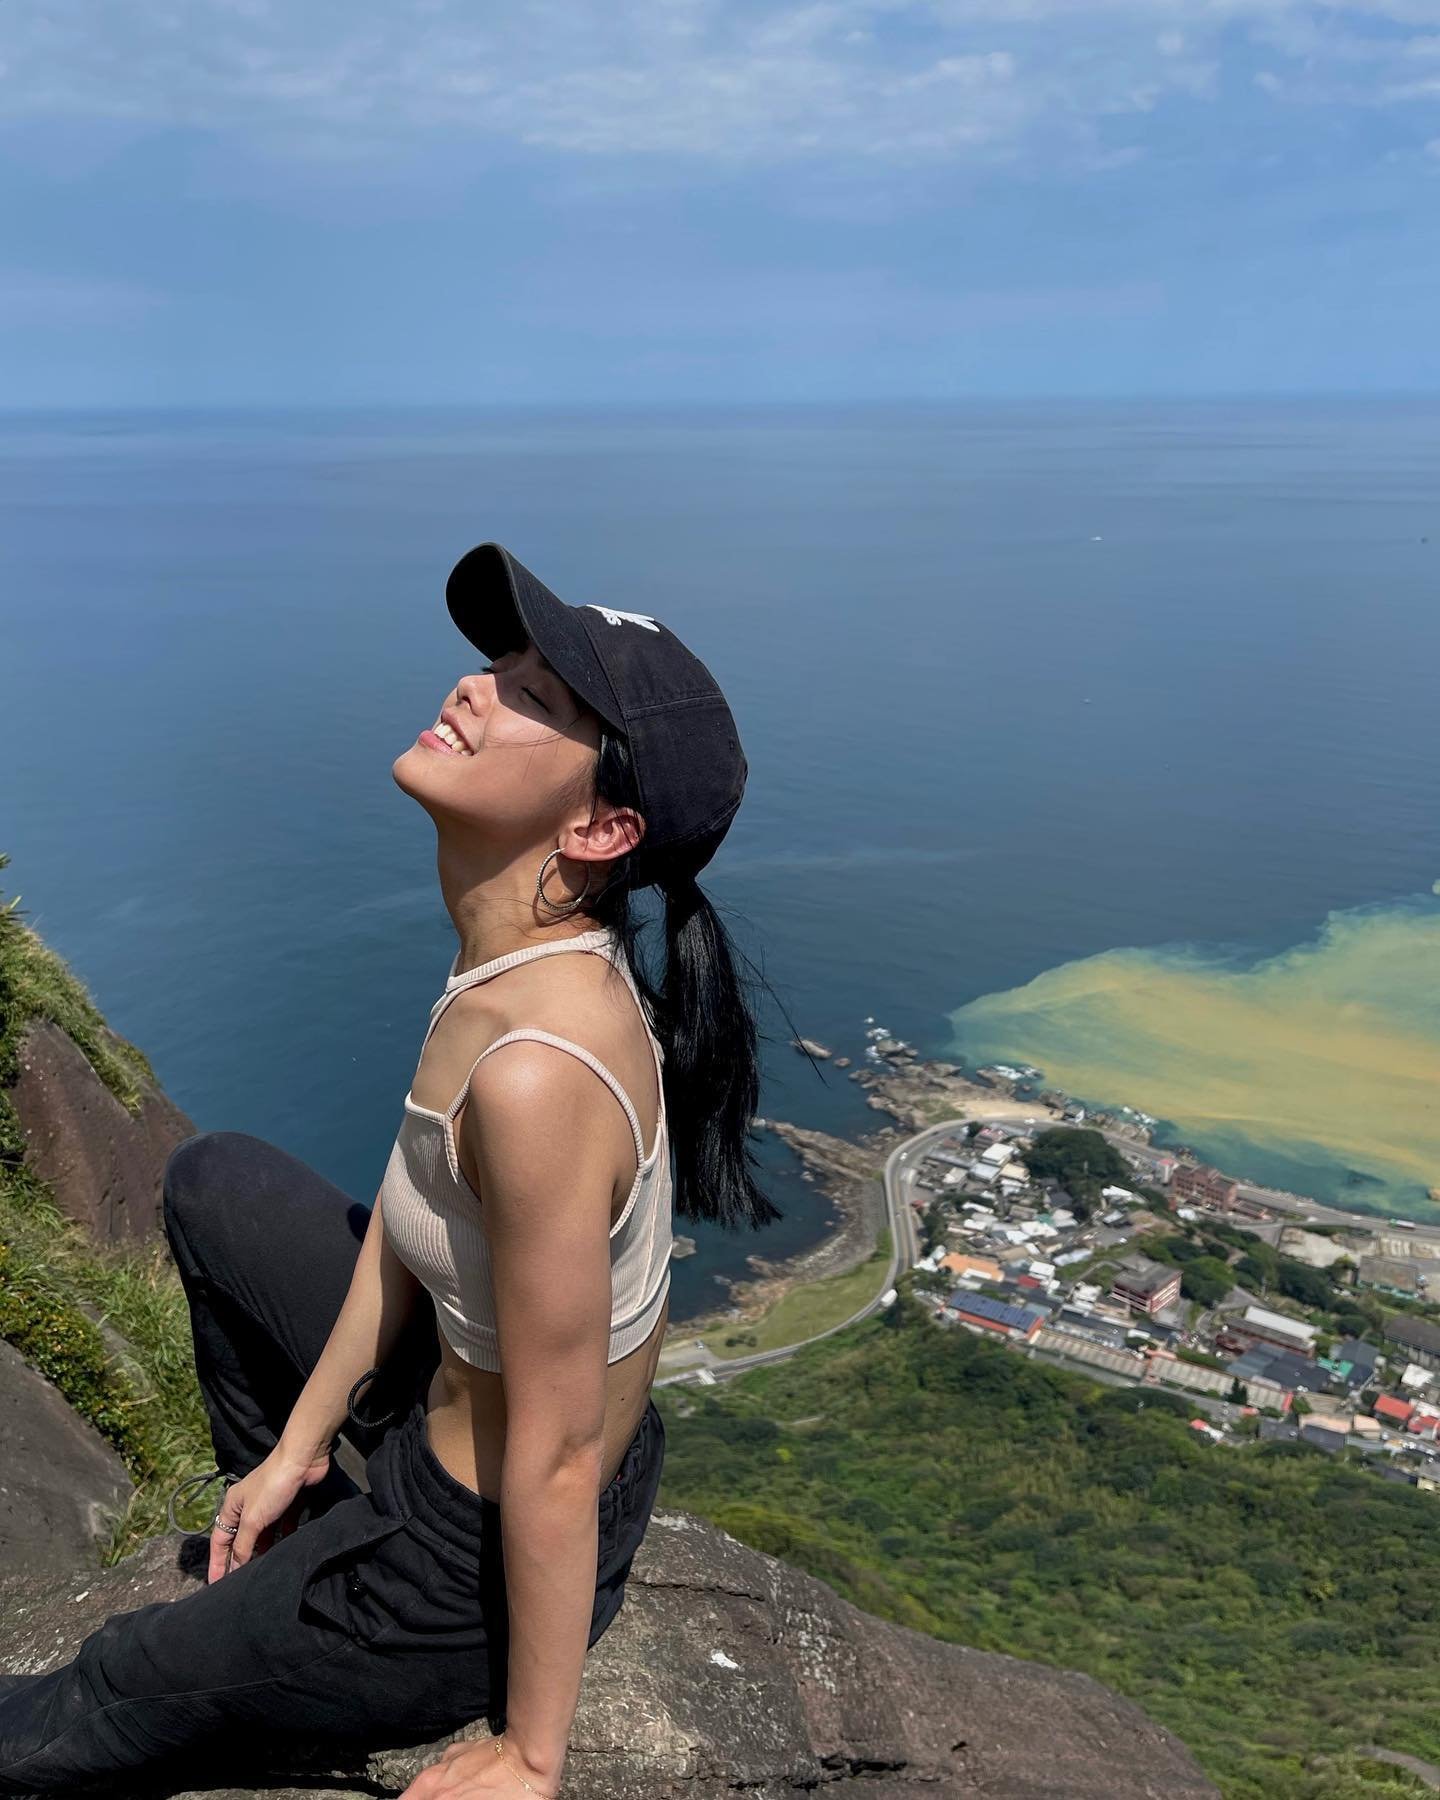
[{"x": 1017, "y": 685}]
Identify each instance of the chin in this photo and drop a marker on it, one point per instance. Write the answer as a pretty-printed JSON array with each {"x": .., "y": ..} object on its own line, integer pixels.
[{"x": 408, "y": 772}]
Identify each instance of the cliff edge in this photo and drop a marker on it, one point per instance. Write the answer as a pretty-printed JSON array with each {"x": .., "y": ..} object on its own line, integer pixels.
[{"x": 725, "y": 1671}]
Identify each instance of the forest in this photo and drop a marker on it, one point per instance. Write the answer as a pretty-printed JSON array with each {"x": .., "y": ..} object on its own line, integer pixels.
[{"x": 1277, "y": 1609}]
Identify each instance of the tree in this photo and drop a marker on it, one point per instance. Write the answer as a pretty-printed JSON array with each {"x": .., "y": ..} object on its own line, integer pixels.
[
  {"x": 1206, "y": 1279},
  {"x": 1081, "y": 1161}
]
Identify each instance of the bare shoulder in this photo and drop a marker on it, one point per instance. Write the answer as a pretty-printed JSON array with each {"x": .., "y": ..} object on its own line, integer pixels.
[{"x": 541, "y": 1131}]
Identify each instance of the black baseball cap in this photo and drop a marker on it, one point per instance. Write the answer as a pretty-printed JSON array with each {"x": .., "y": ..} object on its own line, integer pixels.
[{"x": 633, "y": 671}]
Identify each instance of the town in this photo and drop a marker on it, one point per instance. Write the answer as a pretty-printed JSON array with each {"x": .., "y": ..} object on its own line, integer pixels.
[{"x": 1134, "y": 1266}]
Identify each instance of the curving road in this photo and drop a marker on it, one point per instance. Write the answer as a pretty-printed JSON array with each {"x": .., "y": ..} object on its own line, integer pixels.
[{"x": 898, "y": 1179}]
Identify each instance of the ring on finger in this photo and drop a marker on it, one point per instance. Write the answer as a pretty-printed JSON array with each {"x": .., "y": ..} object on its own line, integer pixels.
[{"x": 229, "y": 1530}]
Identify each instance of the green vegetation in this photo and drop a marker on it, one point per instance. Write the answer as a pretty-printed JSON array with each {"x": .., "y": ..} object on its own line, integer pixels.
[
  {"x": 1275, "y": 1608},
  {"x": 63, "y": 1301},
  {"x": 1082, "y": 1162},
  {"x": 808, "y": 1309},
  {"x": 1324, "y": 1296}
]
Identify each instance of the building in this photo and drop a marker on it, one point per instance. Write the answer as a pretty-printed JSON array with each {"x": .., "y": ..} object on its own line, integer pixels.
[
  {"x": 1258, "y": 1325},
  {"x": 1325, "y": 1434},
  {"x": 1162, "y": 1366},
  {"x": 1149, "y": 1289},
  {"x": 970, "y": 1268},
  {"x": 1088, "y": 1325},
  {"x": 1197, "y": 1184},
  {"x": 1069, "y": 1344},
  {"x": 1391, "y": 1411},
  {"x": 1355, "y": 1362},
  {"x": 1418, "y": 1336},
  {"x": 981, "y": 1313}
]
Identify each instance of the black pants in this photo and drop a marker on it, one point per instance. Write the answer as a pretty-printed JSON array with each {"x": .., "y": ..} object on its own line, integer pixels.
[{"x": 381, "y": 1621}]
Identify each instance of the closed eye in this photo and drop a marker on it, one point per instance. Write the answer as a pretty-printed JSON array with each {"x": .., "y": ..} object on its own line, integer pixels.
[{"x": 490, "y": 669}]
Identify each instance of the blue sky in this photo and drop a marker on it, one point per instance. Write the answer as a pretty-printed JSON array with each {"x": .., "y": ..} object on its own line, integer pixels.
[{"x": 576, "y": 201}]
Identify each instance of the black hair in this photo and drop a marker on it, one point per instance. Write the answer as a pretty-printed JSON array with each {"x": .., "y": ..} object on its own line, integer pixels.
[{"x": 703, "y": 1019}]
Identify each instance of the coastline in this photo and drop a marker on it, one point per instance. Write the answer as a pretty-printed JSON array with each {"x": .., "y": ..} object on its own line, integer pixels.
[
  {"x": 847, "y": 1173},
  {"x": 912, "y": 1092}
]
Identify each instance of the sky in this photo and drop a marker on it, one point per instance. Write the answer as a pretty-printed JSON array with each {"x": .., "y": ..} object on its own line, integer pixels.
[{"x": 653, "y": 202}]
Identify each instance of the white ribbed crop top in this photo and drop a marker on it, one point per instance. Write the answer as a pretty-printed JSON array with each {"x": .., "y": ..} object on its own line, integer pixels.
[{"x": 432, "y": 1214}]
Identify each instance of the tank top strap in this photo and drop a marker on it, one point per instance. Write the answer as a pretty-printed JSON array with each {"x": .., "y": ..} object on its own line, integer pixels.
[
  {"x": 597, "y": 940},
  {"x": 536, "y": 1034}
]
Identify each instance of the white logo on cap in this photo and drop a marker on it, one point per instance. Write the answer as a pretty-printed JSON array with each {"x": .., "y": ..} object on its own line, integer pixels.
[{"x": 612, "y": 617}]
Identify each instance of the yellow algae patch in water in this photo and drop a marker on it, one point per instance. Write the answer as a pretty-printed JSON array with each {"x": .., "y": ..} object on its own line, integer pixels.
[{"x": 1323, "y": 1060}]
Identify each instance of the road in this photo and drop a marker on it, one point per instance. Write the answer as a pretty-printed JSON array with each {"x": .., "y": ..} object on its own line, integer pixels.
[{"x": 898, "y": 1179}]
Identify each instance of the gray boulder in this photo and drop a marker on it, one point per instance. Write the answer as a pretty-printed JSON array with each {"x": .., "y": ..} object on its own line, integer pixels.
[
  {"x": 103, "y": 1164},
  {"x": 726, "y": 1671},
  {"x": 61, "y": 1485}
]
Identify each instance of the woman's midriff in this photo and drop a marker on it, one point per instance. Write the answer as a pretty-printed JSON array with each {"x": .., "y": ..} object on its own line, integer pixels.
[{"x": 465, "y": 1417}]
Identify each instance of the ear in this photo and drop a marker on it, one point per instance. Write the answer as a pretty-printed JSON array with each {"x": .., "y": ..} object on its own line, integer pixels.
[{"x": 613, "y": 832}]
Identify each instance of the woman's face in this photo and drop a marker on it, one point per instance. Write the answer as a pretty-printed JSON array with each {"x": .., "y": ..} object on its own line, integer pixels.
[{"x": 512, "y": 752}]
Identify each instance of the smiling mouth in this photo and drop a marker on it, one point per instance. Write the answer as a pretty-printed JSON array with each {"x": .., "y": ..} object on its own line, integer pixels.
[{"x": 449, "y": 739}]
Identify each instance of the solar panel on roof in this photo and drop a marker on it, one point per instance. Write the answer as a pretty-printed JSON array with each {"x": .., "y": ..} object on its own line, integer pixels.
[{"x": 981, "y": 1306}]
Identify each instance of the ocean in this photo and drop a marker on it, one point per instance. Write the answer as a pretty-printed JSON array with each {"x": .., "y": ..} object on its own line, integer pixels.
[{"x": 1021, "y": 688}]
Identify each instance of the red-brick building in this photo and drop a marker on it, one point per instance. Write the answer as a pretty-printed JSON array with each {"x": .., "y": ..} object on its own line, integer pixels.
[{"x": 1196, "y": 1184}]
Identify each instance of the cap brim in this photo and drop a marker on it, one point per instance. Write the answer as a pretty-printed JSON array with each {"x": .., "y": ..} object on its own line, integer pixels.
[{"x": 497, "y": 603}]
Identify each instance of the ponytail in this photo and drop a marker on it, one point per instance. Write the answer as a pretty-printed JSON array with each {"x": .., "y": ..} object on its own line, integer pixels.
[
  {"x": 712, "y": 1078},
  {"x": 703, "y": 1019}
]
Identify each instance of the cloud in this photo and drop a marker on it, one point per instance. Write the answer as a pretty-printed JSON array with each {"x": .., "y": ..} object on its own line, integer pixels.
[{"x": 724, "y": 81}]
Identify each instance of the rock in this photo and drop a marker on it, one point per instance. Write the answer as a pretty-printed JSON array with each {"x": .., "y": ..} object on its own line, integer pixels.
[
  {"x": 811, "y": 1047},
  {"x": 103, "y": 1163},
  {"x": 727, "y": 1671},
  {"x": 60, "y": 1483}
]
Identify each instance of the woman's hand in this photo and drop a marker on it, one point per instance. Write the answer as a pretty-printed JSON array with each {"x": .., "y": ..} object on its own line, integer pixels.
[
  {"x": 255, "y": 1505},
  {"x": 473, "y": 1772}
]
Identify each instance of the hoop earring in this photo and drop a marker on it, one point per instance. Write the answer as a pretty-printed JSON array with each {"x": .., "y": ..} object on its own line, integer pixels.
[{"x": 549, "y": 905}]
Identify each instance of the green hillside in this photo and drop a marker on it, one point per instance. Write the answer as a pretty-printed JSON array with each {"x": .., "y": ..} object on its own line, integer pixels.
[
  {"x": 1276, "y": 1610},
  {"x": 59, "y": 1292}
]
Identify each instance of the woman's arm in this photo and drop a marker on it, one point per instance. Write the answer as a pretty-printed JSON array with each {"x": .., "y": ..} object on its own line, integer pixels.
[
  {"x": 545, "y": 1138},
  {"x": 381, "y": 1297}
]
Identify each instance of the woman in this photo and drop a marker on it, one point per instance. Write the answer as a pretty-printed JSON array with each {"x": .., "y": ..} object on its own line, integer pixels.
[{"x": 513, "y": 1455}]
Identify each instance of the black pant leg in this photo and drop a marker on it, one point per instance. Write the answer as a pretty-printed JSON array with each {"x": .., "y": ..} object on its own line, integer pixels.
[{"x": 266, "y": 1249}]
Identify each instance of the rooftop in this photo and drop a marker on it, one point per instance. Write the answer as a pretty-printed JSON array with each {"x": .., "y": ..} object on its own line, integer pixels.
[{"x": 1264, "y": 1320}]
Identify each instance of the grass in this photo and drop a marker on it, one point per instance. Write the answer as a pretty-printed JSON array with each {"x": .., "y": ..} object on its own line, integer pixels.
[
  {"x": 110, "y": 1328},
  {"x": 808, "y": 1309}
]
